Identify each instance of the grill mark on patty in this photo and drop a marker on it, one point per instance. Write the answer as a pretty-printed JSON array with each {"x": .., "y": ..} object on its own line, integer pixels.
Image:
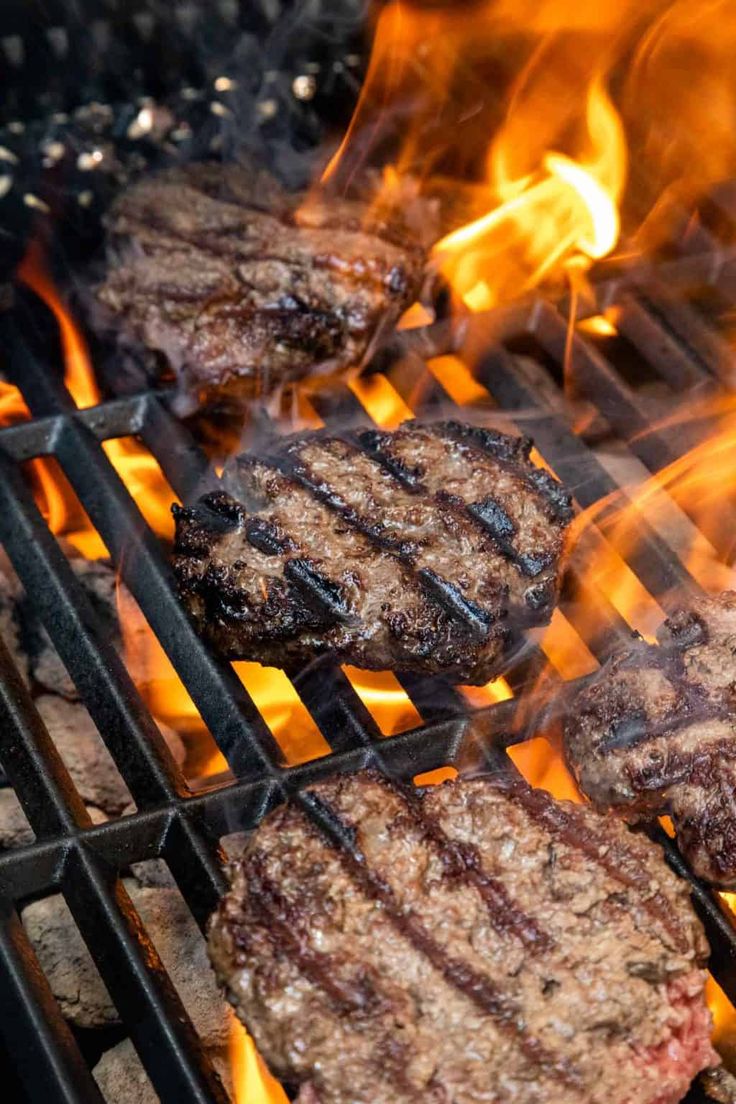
[
  {"x": 476, "y": 620},
  {"x": 327, "y": 600},
  {"x": 637, "y": 729},
  {"x": 538, "y": 480},
  {"x": 568, "y": 825},
  {"x": 281, "y": 924},
  {"x": 427, "y": 579},
  {"x": 680, "y": 756},
  {"x": 377, "y": 447},
  {"x": 466, "y": 519},
  {"x": 476, "y": 987},
  {"x": 699, "y": 827},
  {"x": 692, "y": 703},
  {"x": 463, "y": 862},
  {"x": 358, "y": 531},
  {"x": 228, "y": 243},
  {"x": 509, "y": 477},
  {"x": 699, "y": 768},
  {"x": 411, "y": 624}
]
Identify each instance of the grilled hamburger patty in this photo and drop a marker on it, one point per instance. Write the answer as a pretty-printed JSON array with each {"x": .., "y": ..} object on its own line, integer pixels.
[
  {"x": 656, "y": 733},
  {"x": 215, "y": 267},
  {"x": 423, "y": 550},
  {"x": 473, "y": 942}
]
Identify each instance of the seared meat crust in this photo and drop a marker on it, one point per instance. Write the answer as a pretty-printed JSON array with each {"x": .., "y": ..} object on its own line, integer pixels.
[
  {"x": 656, "y": 733},
  {"x": 425, "y": 549},
  {"x": 473, "y": 942},
  {"x": 217, "y": 268}
]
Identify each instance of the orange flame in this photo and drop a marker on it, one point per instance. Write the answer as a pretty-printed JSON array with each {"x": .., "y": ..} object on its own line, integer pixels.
[
  {"x": 518, "y": 120},
  {"x": 529, "y": 188},
  {"x": 252, "y": 1083},
  {"x": 565, "y": 209},
  {"x": 12, "y": 406},
  {"x": 133, "y": 463},
  {"x": 381, "y": 400}
]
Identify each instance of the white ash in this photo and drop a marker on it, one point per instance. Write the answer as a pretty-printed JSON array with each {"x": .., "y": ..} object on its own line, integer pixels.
[
  {"x": 27, "y": 640},
  {"x": 183, "y": 951},
  {"x": 90, "y": 765},
  {"x": 123, "y": 1080},
  {"x": 153, "y": 872},
  {"x": 85, "y": 756},
  {"x": 67, "y": 964},
  {"x": 43, "y": 661},
  {"x": 15, "y": 831},
  {"x": 78, "y": 987},
  {"x": 11, "y": 594}
]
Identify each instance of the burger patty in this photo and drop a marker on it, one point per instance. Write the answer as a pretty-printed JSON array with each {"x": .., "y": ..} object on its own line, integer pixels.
[
  {"x": 243, "y": 287},
  {"x": 656, "y": 733},
  {"x": 472, "y": 942},
  {"x": 424, "y": 549}
]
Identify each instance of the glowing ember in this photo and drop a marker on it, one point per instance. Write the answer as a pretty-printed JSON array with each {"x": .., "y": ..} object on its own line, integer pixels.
[
  {"x": 386, "y": 701},
  {"x": 600, "y": 325},
  {"x": 457, "y": 380},
  {"x": 382, "y": 401},
  {"x": 542, "y": 765},
  {"x": 435, "y": 777},
  {"x": 284, "y": 712},
  {"x": 479, "y": 697},
  {"x": 12, "y": 407},
  {"x": 252, "y": 1083}
]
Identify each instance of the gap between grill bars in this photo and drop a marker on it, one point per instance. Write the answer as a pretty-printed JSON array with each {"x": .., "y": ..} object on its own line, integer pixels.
[{"x": 173, "y": 822}]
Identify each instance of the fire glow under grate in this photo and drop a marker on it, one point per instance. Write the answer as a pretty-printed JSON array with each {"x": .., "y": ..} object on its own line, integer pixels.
[{"x": 183, "y": 825}]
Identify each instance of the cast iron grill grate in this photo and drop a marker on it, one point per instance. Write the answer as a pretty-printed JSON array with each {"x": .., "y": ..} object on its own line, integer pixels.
[{"x": 173, "y": 822}]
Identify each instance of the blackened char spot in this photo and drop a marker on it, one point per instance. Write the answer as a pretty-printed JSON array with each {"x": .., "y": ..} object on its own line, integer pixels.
[
  {"x": 374, "y": 442},
  {"x": 317, "y": 591},
  {"x": 493, "y": 516},
  {"x": 264, "y": 536},
  {"x": 498, "y": 444},
  {"x": 534, "y": 563},
  {"x": 220, "y": 512},
  {"x": 396, "y": 281},
  {"x": 539, "y": 597},
  {"x": 626, "y": 732},
  {"x": 557, "y": 498},
  {"x": 476, "y": 620},
  {"x": 687, "y": 629}
]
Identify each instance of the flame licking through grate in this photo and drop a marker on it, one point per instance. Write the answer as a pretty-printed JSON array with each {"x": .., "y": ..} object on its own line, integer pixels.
[
  {"x": 601, "y": 569},
  {"x": 544, "y": 207}
]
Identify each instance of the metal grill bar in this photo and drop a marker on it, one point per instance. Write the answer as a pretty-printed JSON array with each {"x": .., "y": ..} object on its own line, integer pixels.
[
  {"x": 32, "y": 1025},
  {"x": 83, "y": 860}
]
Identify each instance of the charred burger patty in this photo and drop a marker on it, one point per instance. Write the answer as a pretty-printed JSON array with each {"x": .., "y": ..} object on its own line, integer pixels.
[
  {"x": 656, "y": 733},
  {"x": 242, "y": 287},
  {"x": 425, "y": 549},
  {"x": 473, "y": 942}
]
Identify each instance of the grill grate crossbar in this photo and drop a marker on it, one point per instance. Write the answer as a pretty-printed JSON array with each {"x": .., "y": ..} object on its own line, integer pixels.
[{"x": 84, "y": 861}]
